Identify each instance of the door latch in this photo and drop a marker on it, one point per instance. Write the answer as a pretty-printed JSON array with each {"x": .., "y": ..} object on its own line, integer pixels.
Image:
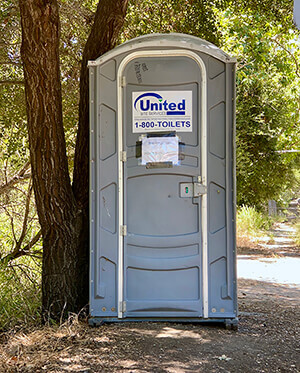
[
  {"x": 199, "y": 189},
  {"x": 190, "y": 190}
]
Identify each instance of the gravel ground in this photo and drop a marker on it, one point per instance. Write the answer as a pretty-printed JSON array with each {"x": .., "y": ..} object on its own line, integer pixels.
[
  {"x": 267, "y": 341},
  {"x": 268, "y": 338}
]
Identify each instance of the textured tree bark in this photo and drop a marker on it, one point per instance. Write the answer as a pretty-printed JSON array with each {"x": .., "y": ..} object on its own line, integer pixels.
[
  {"x": 59, "y": 215},
  {"x": 62, "y": 211}
]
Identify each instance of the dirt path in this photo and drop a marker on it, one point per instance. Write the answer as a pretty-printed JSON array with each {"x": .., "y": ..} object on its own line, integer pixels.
[
  {"x": 279, "y": 241},
  {"x": 268, "y": 339},
  {"x": 275, "y": 257}
]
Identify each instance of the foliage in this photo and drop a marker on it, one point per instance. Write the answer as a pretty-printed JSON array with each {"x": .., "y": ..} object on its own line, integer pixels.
[
  {"x": 278, "y": 11},
  {"x": 267, "y": 115},
  {"x": 157, "y": 16},
  {"x": 251, "y": 222},
  {"x": 19, "y": 233},
  {"x": 13, "y": 135},
  {"x": 76, "y": 19},
  {"x": 288, "y": 194},
  {"x": 297, "y": 236},
  {"x": 20, "y": 301}
]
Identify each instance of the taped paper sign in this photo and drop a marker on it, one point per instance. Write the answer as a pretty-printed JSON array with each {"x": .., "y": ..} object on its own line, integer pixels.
[
  {"x": 160, "y": 149},
  {"x": 158, "y": 111}
]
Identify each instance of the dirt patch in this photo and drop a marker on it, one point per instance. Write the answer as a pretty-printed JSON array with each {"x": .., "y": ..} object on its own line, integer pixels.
[{"x": 267, "y": 341}]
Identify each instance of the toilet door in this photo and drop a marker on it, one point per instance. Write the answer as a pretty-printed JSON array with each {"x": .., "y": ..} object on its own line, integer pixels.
[{"x": 162, "y": 171}]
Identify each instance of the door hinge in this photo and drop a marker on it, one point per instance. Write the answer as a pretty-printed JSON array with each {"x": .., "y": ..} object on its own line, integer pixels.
[
  {"x": 122, "y": 81},
  {"x": 123, "y": 230},
  {"x": 122, "y": 306},
  {"x": 123, "y": 156}
]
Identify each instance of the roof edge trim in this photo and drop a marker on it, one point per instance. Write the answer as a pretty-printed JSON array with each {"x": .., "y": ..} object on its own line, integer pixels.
[{"x": 172, "y": 41}]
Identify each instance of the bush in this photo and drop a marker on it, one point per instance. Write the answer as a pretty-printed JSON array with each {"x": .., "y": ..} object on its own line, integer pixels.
[
  {"x": 20, "y": 293},
  {"x": 297, "y": 235},
  {"x": 250, "y": 222}
]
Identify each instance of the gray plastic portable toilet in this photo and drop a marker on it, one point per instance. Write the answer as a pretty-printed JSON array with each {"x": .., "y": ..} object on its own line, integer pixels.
[{"x": 162, "y": 182}]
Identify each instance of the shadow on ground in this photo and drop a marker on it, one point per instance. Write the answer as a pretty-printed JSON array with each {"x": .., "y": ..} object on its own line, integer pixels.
[{"x": 267, "y": 341}]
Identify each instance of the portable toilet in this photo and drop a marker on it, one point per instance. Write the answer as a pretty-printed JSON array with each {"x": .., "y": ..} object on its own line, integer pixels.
[{"x": 162, "y": 182}]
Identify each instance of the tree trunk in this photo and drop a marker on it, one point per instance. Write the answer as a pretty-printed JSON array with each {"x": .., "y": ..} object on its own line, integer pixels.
[
  {"x": 63, "y": 214},
  {"x": 59, "y": 216}
]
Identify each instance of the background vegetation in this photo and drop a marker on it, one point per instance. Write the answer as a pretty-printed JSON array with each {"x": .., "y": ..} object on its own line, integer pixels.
[{"x": 266, "y": 44}]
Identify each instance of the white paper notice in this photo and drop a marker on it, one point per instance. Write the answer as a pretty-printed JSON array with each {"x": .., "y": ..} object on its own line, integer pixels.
[{"x": 160, "y": 149}]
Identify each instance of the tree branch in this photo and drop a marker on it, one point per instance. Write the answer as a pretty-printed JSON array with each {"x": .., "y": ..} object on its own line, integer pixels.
[
  {"x": 21, "y": 175},
  {"x": 245, "y": 64},
  {"x": 18, "y": 252},
  {"x": 11, "y": 63},
  {"x": 11, "y": 82},
  {"x": 289, "y": 53},
  {"x": 25, "y": 220}
]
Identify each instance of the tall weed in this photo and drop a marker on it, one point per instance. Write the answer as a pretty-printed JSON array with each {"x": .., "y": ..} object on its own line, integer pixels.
[
  {"x": 20, "y": 293},
  {"x": 250, "y": 222},
  {"x": 297, "y": 234}
]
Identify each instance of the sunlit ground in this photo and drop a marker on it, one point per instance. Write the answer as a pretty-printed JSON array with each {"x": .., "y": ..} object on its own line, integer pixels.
[{"x": 281, "y": 270}]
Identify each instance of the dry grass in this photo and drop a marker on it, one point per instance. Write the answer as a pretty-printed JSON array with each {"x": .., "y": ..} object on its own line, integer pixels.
[
  {"x": 269, "y": 312},
  {"x": 35, "y": 349},
  {"x": 297, "y": 233},
  {"x": 246, "y": 241},
  {"x": 251, "y": 228}
]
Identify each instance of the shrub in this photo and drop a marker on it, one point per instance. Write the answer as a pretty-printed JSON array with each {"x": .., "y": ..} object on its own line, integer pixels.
[
  {"x": 297, "y": 235},
  {"x": 251, "y": 222},
  {"x": 20, "y": 293}
]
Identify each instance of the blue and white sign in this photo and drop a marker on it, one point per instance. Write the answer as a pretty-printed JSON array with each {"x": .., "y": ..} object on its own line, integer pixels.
[{"x": 162, "y": 111}]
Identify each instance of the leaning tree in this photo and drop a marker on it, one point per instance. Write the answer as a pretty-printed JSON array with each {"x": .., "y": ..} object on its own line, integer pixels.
[{"x": 62, "y": 205}]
